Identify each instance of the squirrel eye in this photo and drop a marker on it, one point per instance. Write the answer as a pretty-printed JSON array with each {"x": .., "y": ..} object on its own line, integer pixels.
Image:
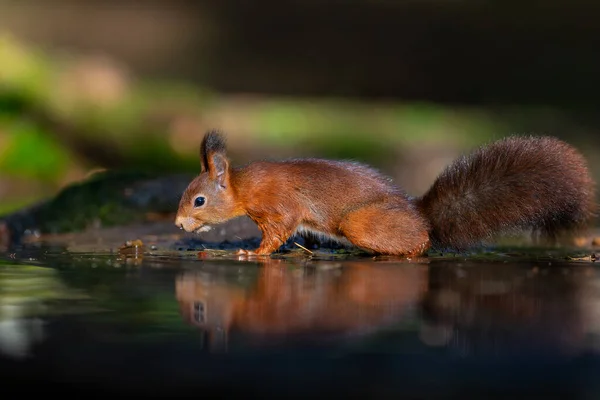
[{"x": 199, "y": 201}]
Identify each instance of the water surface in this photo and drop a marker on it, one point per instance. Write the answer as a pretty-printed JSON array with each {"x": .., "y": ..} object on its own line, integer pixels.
[{"x": 167, "y": 325}]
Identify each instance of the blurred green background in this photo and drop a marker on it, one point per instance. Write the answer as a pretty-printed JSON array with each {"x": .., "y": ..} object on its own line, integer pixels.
[{"x": 404, "y": 85}]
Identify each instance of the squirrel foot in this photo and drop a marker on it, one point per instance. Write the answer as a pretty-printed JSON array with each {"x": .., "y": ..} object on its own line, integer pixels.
[
  {"x": 252, "y": 253},
  {"x": 242, "y": 252}
]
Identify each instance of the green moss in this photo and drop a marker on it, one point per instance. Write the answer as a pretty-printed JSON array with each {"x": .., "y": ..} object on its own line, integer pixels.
[
  {"x": 29, "y": 152},
  {"x": 10, "y": 206}
]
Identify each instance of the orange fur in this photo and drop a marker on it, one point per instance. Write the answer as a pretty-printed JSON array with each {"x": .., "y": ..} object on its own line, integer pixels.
[
  {"x": 515, "y": 183},
  {"x": 284, "y": 303}
]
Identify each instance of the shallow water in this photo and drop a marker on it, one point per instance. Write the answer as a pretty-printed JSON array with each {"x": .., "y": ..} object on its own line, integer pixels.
[{"x": 175, "y": 325}]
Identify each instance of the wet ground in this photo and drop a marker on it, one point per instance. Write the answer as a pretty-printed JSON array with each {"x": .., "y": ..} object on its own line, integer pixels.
[{"x": 164, "y": 316}]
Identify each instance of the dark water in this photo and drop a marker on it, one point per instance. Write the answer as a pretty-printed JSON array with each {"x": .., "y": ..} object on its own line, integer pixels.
[{"x": 160, "y": 326}]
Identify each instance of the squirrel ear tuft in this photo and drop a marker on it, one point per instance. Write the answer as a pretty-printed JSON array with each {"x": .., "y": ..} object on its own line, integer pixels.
[
  {"x": 213, "y": 143},
  {"x": 213, "y": 158}
]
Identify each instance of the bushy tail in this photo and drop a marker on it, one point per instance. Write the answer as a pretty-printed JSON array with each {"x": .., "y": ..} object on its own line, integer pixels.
[{"x": 538, "y": 183}]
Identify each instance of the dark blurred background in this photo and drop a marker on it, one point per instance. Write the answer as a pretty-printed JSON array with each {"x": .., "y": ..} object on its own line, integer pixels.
[{"x": 404, "y": 85}]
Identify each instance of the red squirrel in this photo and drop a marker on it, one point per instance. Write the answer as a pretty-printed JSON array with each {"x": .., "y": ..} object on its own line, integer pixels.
[{"x": 519, "y": 182}]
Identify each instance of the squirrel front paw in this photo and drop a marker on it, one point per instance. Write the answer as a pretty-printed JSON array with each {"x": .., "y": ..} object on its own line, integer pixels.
[
  {"x": 253, "y": 253},
  {"x": 242, "y": 252}
]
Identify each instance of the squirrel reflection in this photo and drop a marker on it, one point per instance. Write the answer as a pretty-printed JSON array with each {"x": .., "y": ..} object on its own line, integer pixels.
[
  {"x": 479, "y": 309},
  {"x": 289, "y": 303},
  {"x": 492, "y": 308}
]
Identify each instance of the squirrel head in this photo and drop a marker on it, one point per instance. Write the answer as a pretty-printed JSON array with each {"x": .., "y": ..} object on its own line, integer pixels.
[{"x": 209, "y": 198}]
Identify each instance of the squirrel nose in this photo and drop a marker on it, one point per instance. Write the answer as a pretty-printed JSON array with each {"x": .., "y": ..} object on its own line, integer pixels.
[{"x": 179, "y": 222}]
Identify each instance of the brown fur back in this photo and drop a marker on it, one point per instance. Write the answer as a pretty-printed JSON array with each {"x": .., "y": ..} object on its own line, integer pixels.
[
  {"x": 317, "y": 193},
  {"x": 515, "y": 183}
]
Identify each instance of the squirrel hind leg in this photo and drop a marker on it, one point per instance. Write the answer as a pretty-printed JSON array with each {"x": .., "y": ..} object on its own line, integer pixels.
[{"x": 387, "y": 228}]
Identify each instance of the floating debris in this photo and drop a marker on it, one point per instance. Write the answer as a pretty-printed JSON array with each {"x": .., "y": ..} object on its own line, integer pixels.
[{"x": 132, "y": 249}]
